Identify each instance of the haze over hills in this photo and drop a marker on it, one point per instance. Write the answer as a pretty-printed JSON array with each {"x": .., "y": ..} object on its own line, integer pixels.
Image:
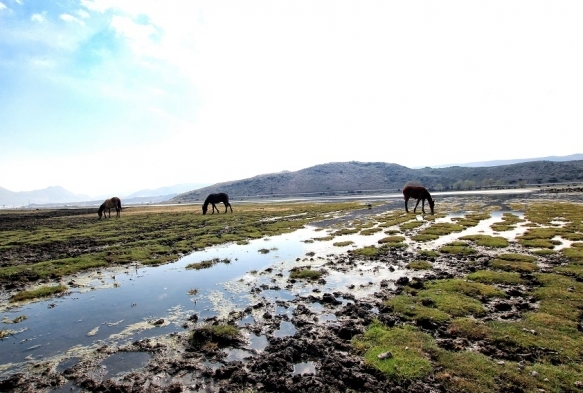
[
  {"x": 572, "y": 157},
  {"x": 47, "y": 195},
  {"x": 343, "y": 177}
]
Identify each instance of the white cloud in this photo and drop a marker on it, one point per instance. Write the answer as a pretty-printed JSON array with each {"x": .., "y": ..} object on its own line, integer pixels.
[
  {"x": 2, "y": 6},
  {"x": 71, "y": 18},
  {"x": 38, "y": 18}
]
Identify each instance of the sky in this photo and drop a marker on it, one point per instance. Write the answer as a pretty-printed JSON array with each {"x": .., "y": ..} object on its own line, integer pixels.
[{"x": 114, "y": 96}]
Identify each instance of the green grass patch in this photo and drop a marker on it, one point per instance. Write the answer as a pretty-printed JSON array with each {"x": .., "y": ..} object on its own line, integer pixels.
[
  {"x": 442, "y": 228},
  {"x": 42, "y": 292},
  {"x": 393, "y": 239},
  {"x": 495, "y": 277},
  {"x": 324, "y": 238},
  {"x": 206, "y": 263},
  {"x": 305, "y": 274},
  {"x": 368, "y": 251},
  {"x": 343, "y": 243},
  {"x": 411, "y": 225},
  {"x": 420, "y": 265},
  {"x": 424, "y": 237},
  {"x": 440, "y": 301},
  {"x": 345, "y": 231},
  {"x": 514, "y": 262},
  {"x": 370, "y": 231},
  {"x": 460, "y": 248},
  {"x": 428, "y": 253},
  {"x": 508, "y": 223},
  {"x": 398, "y": 352},
  {"x": 487, "y": 240}
]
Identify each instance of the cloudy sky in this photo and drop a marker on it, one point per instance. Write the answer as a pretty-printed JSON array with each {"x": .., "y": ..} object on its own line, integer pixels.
[{"x": 114, "y": 96}]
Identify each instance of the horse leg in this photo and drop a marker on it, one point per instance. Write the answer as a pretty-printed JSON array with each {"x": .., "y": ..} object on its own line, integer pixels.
[
  {"x": 423, "y": 205},
  {"x": 406, "y": 208},
  {"x": 230, "y": 207},
  {"x": 417, "y": 204},
  {"x": 214, "y": 207}
]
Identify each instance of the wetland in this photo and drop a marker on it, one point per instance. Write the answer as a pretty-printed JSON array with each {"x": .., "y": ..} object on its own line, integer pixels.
[{"x": 296, "y": 296}]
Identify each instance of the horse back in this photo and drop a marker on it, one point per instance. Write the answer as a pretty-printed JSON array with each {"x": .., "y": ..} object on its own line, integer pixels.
[{"x": 416, "y": 192}]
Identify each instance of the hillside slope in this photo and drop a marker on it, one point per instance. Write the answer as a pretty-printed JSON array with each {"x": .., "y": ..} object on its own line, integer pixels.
[{"x": 351, "y": 177}]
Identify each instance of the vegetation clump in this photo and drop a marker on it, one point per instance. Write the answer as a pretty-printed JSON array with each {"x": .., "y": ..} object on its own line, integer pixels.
[
  {"x": 211, "y": 337},
  {"x": 457, "y": 247},
  {"x": 42, "y": 292},
  {"x": 420, "y": 265},
  {"x": 508, "y": 223},
  {"x": 207, "y": 263},
  {"x": 343, "y": 243},
  {"x": 487, "y": 240},
  {"x": 305, "y": 274},
  {"x": 514, "y": 262},
  {"x": 398, "y": 352}
]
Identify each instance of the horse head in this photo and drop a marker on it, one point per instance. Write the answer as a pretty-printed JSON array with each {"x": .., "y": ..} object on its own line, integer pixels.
[
  {"x": 204, "y": 209},
  {"x": 431, "y": 205}
]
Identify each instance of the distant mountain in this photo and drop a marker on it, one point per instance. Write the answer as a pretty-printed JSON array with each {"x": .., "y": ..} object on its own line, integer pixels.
[
  {"x": 170, "y": 190},
  {"x": 572, "y": 157},
  {"x": 48, "y": 195},
  {"x": 366, "y": 177}
]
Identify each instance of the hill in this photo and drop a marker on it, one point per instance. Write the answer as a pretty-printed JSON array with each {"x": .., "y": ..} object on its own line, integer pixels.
[
  {"x": 47, "y": 195},
  {"x": 354, "y": 177}
]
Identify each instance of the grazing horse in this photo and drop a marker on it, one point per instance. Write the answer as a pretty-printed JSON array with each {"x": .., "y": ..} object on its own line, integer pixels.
[
  {"x": 419, "y": 193},
  {"x": 108, "y": 204},
  {"x": 216, "y": 198}
]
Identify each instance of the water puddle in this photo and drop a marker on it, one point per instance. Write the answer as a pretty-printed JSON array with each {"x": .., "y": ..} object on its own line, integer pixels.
[
  {"x": 286, "y": 329},
  {"x": 124, "y": 362},
  {"x": 258, "y": 343},
  {"x": 304, "y": 368},
  {"x": 237, "y": 354}
]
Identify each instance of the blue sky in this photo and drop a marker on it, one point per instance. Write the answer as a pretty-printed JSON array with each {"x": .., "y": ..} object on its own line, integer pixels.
[{"x": 113, "y": 96}]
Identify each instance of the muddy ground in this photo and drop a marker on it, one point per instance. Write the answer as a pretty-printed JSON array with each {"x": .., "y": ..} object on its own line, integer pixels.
[{"x": 178, "y": 366}]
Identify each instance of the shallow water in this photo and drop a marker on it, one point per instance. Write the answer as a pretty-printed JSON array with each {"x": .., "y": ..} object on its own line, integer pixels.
[{"x": 121, "y": 305}]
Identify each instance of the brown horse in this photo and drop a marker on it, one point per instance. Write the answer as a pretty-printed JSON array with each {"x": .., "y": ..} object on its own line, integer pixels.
[
  {"x": 108, "y": 204},
  {"x": 216, "y": 198},
  {"x": 419, "y": 193}
]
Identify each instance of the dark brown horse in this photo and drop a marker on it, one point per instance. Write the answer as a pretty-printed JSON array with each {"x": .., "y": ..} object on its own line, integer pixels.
[
  {"x": 419, "y": 193},
  {"x": 216, "y": 198},
  {"x": 108, "y": 204}
]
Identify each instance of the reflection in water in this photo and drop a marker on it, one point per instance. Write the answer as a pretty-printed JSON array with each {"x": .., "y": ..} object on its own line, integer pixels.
[
  {"x": 285, "y": 329},
  {"x": 124, "y": 362},
  {"x": 304, "y": 368},
  {"x": 258, "y": 343},
  {"x": 237, "y": 354}
]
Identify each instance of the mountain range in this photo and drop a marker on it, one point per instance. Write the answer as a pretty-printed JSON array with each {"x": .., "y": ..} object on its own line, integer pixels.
[
  {"x": 334, "y": 178},
  {"x": 379, "y": 177}
]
